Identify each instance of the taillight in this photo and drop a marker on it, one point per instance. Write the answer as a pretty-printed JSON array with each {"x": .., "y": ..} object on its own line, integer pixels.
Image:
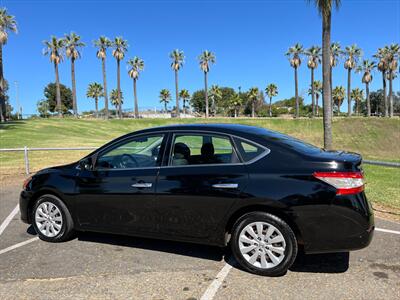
[{"x": 346, "y": 183}]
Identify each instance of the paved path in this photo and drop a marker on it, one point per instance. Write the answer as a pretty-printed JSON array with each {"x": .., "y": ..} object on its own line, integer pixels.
[{"x": 108, "y": 266}]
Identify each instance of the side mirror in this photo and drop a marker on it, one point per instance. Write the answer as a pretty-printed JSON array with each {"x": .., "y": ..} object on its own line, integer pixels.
[{"x": 86, "y": 164}]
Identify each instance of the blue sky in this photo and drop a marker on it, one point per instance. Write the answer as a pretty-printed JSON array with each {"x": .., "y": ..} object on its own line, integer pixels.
[{"x": 249, "y": 39}]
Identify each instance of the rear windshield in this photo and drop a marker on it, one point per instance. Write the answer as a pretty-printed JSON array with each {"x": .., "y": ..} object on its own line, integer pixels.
[{"x": 293, "y": 143}]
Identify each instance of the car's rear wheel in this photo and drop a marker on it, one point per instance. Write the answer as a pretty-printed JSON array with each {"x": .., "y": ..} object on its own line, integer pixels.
[
  {"x": 263, "y": 244},
  {"x": 51, "y": 219}
]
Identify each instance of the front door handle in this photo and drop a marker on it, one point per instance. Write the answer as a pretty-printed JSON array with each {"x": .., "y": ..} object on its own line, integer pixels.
[
  {"x": 142, "y": 185},
  {"x": 225, "y": 185}
]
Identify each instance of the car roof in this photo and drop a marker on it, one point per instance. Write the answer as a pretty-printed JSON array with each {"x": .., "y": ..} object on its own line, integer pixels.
[{"x": 239, "y": 129}]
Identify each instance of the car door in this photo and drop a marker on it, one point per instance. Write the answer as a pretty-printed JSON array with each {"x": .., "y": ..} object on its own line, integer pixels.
[
  {"x": 201, "y": 179},
  {"x": 117, "y": 194}
]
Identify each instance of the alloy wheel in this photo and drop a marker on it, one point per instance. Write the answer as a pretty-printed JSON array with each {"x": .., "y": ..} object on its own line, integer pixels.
[{"x": 262, "y": 245}]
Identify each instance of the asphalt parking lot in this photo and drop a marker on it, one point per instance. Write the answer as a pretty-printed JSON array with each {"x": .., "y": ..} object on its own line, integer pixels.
[{"x": 99, "y": 266}]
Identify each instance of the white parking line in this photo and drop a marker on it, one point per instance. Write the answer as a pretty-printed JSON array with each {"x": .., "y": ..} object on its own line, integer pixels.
[
  {"x": 216, "y": 283},
  {"x": 387, "y": 230},
  {"x": 18, "y": 245},
  {"x": 8, "y": 219}
]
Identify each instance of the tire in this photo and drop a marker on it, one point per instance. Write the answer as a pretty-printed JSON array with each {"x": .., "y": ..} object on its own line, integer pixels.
[
  {"x": 59, "y": 221},
  {"x": 259, "y": 256}
]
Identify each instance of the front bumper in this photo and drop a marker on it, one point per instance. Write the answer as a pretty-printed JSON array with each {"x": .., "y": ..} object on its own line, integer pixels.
[
  {"x": 24, "y": 200},
  {"x": 346, "y": 224}
]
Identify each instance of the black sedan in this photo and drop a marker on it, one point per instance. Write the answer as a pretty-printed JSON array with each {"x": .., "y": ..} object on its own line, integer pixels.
[{"x": 263, "y": 193}]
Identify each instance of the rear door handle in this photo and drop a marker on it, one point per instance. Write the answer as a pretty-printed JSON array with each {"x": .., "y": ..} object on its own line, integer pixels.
[
  {"x": 225, "y": 185},
  {"x": 142, "y": 185}
]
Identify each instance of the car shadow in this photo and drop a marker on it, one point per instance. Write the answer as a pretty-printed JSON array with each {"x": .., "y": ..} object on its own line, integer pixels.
[
  {"x": 321, "y": 263},
  {"x": 308, "y": 263},
  {"x": 187, "y": 249}
]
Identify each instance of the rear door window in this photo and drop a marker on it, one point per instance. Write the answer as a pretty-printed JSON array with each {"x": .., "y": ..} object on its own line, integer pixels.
[{"x": 202, "y": 149}]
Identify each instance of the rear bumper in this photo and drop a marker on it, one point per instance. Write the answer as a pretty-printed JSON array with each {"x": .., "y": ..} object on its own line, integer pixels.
[{"x": 346, "y": 224}]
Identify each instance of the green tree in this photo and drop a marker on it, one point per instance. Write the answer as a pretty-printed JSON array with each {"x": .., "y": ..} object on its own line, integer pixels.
[
  {"x": 120, "y": 47},
  {"x": 338, "y": 95},
  {"x": 102, "y": 44},
  {"x": 294, "y": 54},
  {"x": 253, "y": 94},
  {"x": 206, "y": 59},
  {"x": 117, "y": 99},
  {"x": 185, "y": 96},
  {"x": 72, "y": 44},
  {"x": 50, "y": 95},
  {"x": 136, "y": 65},
  {"x": 215, "y": 94},
  {"x": 54, "y": 48},
  {"x": 366, "y": 68},
  {"x": 393, "y": 52},
  {"x": 42, "y": 107},
  {"x": 325, "y": 9},
  {"x": 7, "y": 24},
  {"x": 271, "y": 91},
  {"x": 165, "y": 97},
  {"x": 95, "y": 91},
  {"x": 357, "y": 96},
  {"x": 178, "y": 59},
  {"x": 314, "y": 58},
  {"x": 353, "y": 53}
]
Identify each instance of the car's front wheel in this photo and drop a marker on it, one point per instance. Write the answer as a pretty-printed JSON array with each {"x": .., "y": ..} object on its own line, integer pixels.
[
  {"x": 263, "y": 244},
  {"x": 51, "y": 219}
]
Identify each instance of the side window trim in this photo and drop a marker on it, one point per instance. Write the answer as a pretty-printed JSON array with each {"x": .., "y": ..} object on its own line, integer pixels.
[
  {"x": 127, "y": 140},
  {"x": 200, "y": 133}
]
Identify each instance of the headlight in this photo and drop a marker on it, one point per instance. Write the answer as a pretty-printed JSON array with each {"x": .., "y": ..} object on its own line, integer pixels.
[{"x": 26, "y": 182}]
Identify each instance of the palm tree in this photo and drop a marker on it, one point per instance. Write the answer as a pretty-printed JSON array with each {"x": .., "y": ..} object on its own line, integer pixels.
[
  {"x": 215, "y": 93},
  {"x": 102, "y": 44},
  {"x": 393, "y": 52},
  {"x": 383, "y": 66},
  {"x": 335, "y": 55},
  {"x": 294, "y": 54},
  {"x": 325, "y": 9},
  {"x": 206, "y": 59},
  {"x": 252, "y": 94},
  {"x": 357, "y": 95},
  {"x": 116, "y": 99},
  {"x": 272, "y": 91},
  {"x": 178, "y": 59},
  {"x": 136, "y": 65},
  {"x": 7, "y": 24},
  {"x": 236, "y": 102},
  {"x": 165, "y": 97},
  {"x": 120, "y": 47},
  {"x": 352, "y": 53},
  {"x": 338, "y": 95},
  {"x": 72, "y": 46},
  {"x": 314, "y": 58},
  {"x": 54, "y": 48},
  {"x": 95, "y": 91},
  {"x": 185, "y": 96},
  {"x": 367, "y": 67},
  {"x": 317, "y": 90}
]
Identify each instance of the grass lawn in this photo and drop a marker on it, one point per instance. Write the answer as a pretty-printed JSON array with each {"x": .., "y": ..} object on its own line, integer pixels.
[{"x": 374, "y": 138}]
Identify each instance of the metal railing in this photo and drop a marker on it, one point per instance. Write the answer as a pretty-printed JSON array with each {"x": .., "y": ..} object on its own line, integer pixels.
[{"x": 27, "y": 149}]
